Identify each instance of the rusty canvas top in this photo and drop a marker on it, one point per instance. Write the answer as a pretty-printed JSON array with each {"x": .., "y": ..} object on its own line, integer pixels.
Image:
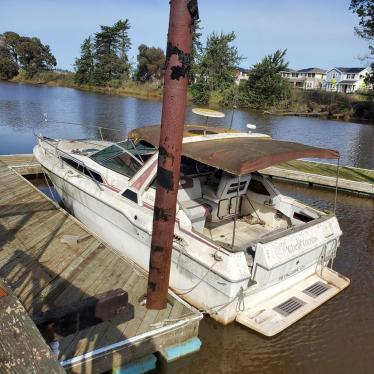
[{"x": 236, "y": 155}]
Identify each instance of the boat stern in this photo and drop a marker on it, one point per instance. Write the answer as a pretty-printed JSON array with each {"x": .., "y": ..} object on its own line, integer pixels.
[{"x": 278, "y": 312}]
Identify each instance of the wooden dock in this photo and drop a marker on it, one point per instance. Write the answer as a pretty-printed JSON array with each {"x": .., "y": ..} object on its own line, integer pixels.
[
  {"x": 300, "y": 171},
  {"x": 56, "y": 267}
]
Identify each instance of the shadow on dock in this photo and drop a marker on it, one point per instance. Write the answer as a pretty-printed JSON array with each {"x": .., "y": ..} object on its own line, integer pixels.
[{"x": 86, "y": 299}]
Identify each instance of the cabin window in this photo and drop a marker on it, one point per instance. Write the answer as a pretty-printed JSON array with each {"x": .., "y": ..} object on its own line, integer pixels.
[
  {"x": 234, "y": 187},
  {"x": 82, "y": 169},
  {"x": 93, "y": 175},
  {"x": 258, "y": 187},
  {"x": 131, "y": 195},
  {"x": 302, "y": 217}
]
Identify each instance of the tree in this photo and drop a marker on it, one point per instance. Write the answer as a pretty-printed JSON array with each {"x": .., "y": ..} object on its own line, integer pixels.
[
  {"x": 85, "y": 64},
  {"x": 196, "y": 50},
  {"x": 33, "y": 56},
  {"x": 29, "y": 54},
  {"x": 8, "y": 68},
  {"x": 365, "y": 11},
  {"x": 110, "y": 52},
  {"x": 151, "y": 63},
  {"x": 215, "y": 70},
  {"x": 265, "y": 86},
  {"x": 11, "y": 41}
]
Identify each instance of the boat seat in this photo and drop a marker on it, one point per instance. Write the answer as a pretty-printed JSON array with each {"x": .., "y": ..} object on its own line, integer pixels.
[{"x": 191, "y": 201}]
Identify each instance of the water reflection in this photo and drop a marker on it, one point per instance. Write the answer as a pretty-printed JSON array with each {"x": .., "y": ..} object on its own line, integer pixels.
[
  {"x": 335, "y": 338},
  {"x": 22, "y": 107}
]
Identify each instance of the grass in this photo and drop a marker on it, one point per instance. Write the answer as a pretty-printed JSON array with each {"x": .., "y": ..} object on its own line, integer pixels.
[
  {"x": 66, "y": 79},
  {"x": 329, "y": 170}
]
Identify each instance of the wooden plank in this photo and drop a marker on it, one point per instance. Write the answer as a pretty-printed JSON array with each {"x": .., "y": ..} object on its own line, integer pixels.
[
  {"x": 47, "y": 297},
  {"x": 22, "y": 349},
  {"x": 47, "y": 273}
]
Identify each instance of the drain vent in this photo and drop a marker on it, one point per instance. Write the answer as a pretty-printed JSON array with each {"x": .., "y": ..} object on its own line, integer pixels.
[
  {"x": 289, "y": 306},
  {"x": 316, "y": 289}
]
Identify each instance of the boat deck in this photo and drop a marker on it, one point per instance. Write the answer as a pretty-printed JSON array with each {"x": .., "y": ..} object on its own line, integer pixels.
[
  {"x": 51, "y": 261},
  {"x": 245, "y": 233}
]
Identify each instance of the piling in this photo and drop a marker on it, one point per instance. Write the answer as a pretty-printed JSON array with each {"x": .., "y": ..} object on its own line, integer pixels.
[{"x": 178, "y": 55}]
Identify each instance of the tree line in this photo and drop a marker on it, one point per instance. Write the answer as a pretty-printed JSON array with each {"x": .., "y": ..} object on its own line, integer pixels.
[{"x": 104, "y": 61}]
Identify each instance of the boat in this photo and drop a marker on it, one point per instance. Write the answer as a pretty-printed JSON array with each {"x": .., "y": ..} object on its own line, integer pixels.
[{"x": 242, "y": 251}]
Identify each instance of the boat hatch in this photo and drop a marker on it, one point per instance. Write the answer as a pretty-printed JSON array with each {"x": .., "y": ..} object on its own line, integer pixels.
[
  {"x": 281, "y": 310},
  {"x": 316, "y": 289},
  {"x": 289, "y": 306}
]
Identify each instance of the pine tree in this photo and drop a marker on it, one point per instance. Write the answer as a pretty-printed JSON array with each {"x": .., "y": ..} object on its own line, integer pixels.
[
  {"x": 215, "y": 67},
  {"x": 111, "y": 46},
  {"x": 265, "y": 86},
  {"x": 85, "y": 64}
]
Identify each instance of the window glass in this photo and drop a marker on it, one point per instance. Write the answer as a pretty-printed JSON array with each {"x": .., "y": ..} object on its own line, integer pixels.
[
  {"x": 124, "y": 164},
  {"x": 90, "y": 173},
  {"x": 257, "y": 187},
  {"x": 125, "y": 157}
]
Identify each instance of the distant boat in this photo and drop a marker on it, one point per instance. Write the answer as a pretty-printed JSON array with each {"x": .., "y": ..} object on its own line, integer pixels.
[{"x": 242, "y": 251}]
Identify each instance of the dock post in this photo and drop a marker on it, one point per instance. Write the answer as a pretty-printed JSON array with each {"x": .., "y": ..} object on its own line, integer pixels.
[{"x": 177, "y": 66}]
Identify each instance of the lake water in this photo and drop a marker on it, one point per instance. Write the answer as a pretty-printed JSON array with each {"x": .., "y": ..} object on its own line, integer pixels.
[
  {"x": 337, "y": 337},
  {"x": 22, "y": 107}
]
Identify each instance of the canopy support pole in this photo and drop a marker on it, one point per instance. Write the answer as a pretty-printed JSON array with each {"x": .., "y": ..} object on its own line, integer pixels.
[
  {"x": 236, "y": 212},
  {"x": 177, "y": 67},
  {"x": 336, "y": 183}
]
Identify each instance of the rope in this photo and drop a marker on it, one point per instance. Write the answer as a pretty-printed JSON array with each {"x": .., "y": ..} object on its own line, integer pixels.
[
  {"x": 50, "y": 189},
  {"x": 188, "y": 290},
  {"x": 240, "y": 305}
]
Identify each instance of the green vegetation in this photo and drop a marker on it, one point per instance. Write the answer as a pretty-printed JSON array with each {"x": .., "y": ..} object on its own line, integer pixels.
[
  {"x": 365, "y": 11},
  {"x": 214, "y": 66},
  {"x": 151, "y": 61},
  {"x": 103, "y": 66},
  {"x": 329, "y": 170},
  {"x": 23, "y": 53},
  {"x": 265, "y": 87},
  {"x": 104, "y": 59}
]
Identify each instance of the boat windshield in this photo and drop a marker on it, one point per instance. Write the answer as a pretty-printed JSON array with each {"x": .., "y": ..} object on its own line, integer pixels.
[{"x": 125, "y": 157}]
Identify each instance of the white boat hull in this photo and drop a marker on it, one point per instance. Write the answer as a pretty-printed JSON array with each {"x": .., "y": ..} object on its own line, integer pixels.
[{"x": 212, "y": 279}]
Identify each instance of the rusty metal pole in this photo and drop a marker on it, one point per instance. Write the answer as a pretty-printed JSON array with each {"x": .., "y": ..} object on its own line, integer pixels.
[{"x": 178, "y": 53}]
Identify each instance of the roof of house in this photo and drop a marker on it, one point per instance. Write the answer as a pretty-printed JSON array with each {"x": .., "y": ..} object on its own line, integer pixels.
[
  {"x": 246, "y": 71},
  {"x": 288, "y": 70},
  {"x": 236, "y": 155},
  {"x": 312, "y": 70},
  {"x": 350, "y": 70}
]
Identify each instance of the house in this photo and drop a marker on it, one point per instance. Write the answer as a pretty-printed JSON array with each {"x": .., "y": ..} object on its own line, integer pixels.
[
  {"x": 347, "y": 80},
  {"x": 241, "y": 74},
  {"x": 307, "y": 79}
]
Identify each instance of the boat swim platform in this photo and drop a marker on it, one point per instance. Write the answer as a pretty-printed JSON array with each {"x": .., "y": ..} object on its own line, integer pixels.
[{"x": 87, "y": 301}]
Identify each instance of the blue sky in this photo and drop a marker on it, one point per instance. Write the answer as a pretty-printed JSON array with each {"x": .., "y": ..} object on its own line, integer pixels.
[{"x": 315, "y": 33}]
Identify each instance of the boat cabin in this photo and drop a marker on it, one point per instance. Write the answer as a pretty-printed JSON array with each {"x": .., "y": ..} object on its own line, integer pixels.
[{"x": 221, "y": 191}]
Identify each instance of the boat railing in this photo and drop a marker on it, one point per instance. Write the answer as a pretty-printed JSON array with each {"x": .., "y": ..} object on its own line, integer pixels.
[
  {"x": 101, "y": 129},
  {"x": 59, "y": 153}
]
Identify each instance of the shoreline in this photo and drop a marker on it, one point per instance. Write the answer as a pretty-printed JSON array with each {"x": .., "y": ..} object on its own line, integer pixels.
[{"x": 149, "y": 91}]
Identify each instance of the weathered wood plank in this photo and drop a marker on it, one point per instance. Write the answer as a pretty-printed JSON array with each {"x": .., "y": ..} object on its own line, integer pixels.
[
  {"x": 22, "y": 349},
  {"x": 47, "y": 273}
]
